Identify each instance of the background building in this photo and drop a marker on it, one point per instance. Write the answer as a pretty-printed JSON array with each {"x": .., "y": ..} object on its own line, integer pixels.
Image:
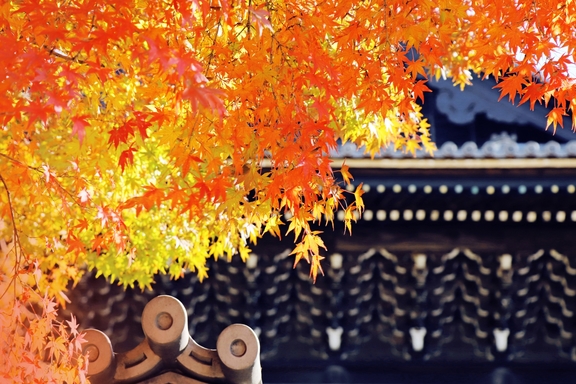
[{"x": 461, "y": 269}]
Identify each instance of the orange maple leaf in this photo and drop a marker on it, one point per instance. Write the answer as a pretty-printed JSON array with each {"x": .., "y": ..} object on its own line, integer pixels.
[
  {"x": 533, "y": 92},
  {"x": 555, "y": 117},
  {"x": 511, "y": 85},
  {"x": 346, "y": 175}
]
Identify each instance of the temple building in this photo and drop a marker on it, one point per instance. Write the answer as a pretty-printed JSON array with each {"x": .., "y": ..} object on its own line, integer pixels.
[{"x": 462, "y": 268}]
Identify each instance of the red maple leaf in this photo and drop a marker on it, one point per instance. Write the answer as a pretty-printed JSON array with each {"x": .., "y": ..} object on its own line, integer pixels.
[
  {"x": 142, "y": 124},
  {"x": 419, "y": 89},
  {"x": 261, "y": 20},
  {"x": 79, "y": 127},
  {"x": 121, "y": 134},
  {"x": 534, "y": 93},
  {"x": 126, "y": 158},
  {"x": 205, "y": 97}
]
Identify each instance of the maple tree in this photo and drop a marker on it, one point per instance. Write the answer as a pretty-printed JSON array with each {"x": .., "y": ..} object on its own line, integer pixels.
[{"x": 142, "y": 137}]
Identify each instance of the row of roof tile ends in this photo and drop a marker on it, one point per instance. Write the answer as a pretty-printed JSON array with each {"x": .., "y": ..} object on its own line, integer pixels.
[
  {"x": 411, "y": 306},
  {"x": 500, "y": 148}
]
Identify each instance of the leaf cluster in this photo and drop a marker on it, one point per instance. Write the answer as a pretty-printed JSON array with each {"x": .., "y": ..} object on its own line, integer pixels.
[{"x": 141, "y": 137}]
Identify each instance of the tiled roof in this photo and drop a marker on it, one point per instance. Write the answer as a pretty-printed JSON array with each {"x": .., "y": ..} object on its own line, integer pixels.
[
  {"x": 499, "y": 147},
  {"x": 369, "y": 306}
]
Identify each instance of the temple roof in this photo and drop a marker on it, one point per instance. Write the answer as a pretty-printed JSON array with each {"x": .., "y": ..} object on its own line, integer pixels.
[
  {"x": 445, "y": 266},
  {"x": 371, "y": 307},
  {"x": 464, "y": 258}
]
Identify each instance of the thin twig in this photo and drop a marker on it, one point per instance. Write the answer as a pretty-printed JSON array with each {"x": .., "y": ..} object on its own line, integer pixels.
[
  {"x": 211, "y": 55},
  {"x": 15, "y": 238},
  {"x": 57, "y": 183},
  {"x": 20, "y": 163},
  {"x": 62, "y": 55}
]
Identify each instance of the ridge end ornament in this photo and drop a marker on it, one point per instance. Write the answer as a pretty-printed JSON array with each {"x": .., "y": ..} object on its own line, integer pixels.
[{"x": 170, "y": 354}]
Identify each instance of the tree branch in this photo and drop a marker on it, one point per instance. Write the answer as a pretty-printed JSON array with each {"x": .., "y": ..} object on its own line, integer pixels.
[{"x": 57, "y": 183}]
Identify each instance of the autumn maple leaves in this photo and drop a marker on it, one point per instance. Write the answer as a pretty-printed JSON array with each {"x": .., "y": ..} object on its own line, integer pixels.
[{"x": 165, "y": 133}]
